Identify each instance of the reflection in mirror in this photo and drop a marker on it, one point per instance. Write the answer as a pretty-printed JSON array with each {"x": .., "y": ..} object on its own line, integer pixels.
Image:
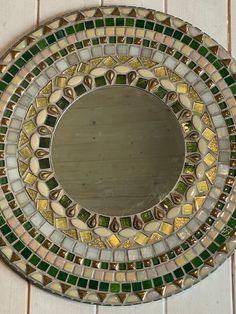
[{"x": 118, "y": 150}]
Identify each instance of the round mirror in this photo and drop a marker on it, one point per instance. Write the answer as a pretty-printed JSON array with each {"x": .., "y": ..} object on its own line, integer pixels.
[{"x": 118, "y": 150}]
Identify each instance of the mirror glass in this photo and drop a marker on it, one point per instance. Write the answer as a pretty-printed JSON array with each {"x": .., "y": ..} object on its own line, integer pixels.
[{"x": 118, "y": 150}]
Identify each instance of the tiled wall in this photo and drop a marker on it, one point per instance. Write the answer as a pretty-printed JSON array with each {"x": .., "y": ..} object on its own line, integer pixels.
[{"x": 216, "y": 294}]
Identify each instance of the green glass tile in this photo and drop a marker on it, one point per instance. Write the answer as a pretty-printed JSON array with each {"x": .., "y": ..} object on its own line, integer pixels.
[
  {"x": 99, "y": 23},
  {"x": 18, "y": 246},
  {"x": 147, "y": 284},
  {"x": 188, "y": 267},
  {"x": 162, "y": 47},
  {"x": 79, "y": 27},
  {"x": 157, "y": 282},
  {"x": 212, "y": 248},
  {"x": 24, "y": 84},
  {"x": 205, "y": 255},
  {"x": 11, "y": 237},
  {"x": 52, "y": 183},
  {"x": 112, "y": 39},
  {"x": 104, "y": 286},
  {"x": 222, "y": 105},
  {"x": 198, "y": 234},
  {"x": 3, "y": 86},
  {"x": 63, "y": 103},
  {"x": 129, "y": 22},
  {"x": 60, "y": 34},
  {"x": 72, "y": 279},
  {"x": 83, "y": 215},
  {"x": 136, "y": 286},
  {"x": 177, "y": 34},
  {"x": 43, "y": 266},
  {"x": 146, "y": 43},
  {"x": 120, "y": 21},
  {"x": 191, "y": 65},
  {"x": 179, "y": 273},
  {"x": 149, "y": 25},
  {"x": 70, "y": 30},
  {"x": 126, "y": 287},
  {"x": 44, "y": 142},
  {"x": 159, "y": 28},
  {"x": 44, "y": 163},
  {"x": 160, "y": 92},
  {"x": 86, "y": 262},
  {"x": 232, "y": 138},
  {"x": 27, "y": 226},
  {"x": 9, "y": 197},
  {"x": 63, "y": 52},
  {"x": 147, "y": 216},
  {"x": 49, "y": 61},
  {"x": 70, "y": 256},
  {"x": 15, "y": 98},
  {"x": 125, "y": 222},
  {"x": 3, "y": 129},
  {"x": 214, "y": 90},
  {"x": 166, "y": 204},
  {"x": 95, "y": 41},
  {"x": 89, "y": 24},
  {"x": 181, "y": 187},
  {"x": 155, "y": 261},
  {"x": 82, "y": 282},
  {"x": 232, "y": 223},
  {"x": 210, "y": 221},
  {"x": 120, "y": 79},
  {"x": 168, "y": 31},
  {"x": 51, "y": 39},
  {"x": 142, "y": 83},
  {"x": 50, "y": 120},
  {"x": 140, "y": 23},
  {"x": 233, "y": 89},
  {"x": 203, "y": 51},
  {"x": 168, "y": 278},
  {"x": 122, "y": 266},
  {"x": 229, "y": 80},
  {"x": 224, "y": 72},
  {"x": 5, "y": 229},
  {"x": 218, "y": 65},
  {"x": 220, "y": 205},
  {"x": 7, "y": 78},
  {"x": 100, "y": 81},
  {"x": 129, "y": 40},
  {"x": 220, "y": 239},
  {"x": 114, "y": 287},
  {"x": 103, "y": 221},
  {"x": 197, "y": 262},
  {"x": 20, "y": 62},
  {"x": 191, "y": 147},
  {"x": 211, "y": 58},
  {"x": 186, "y": 39},
  {"x": 78, "y": 45},
  {"x": 40, "y": 238},
  {"x": 177, "y": 55},
  {"x": 65, "y": 201},
  {"x": 176, "y": 107},
  {"x": 93, "y": 284},
  {"x": 54, "y": 248},
  {"x": 27, "y": 56},
  {"x": 52, "y": 271},
  {"x": 13, "y": 70},
  {"x": 194, "y": 44},
  {"x": 34, "y": 260},
  {"x": 62, "y": 276},
  {"x": 171, "y": 254},
  {"x": 139, "y": 265},
  {"x": 3, "y": 180},
  {"x": 26, "y": 253},
  {"x": 204, "y": 76},
  {"x": 104, "y": 265},
  {"x": 109, "y": 22},
  {"x": 80, "y": 89}
]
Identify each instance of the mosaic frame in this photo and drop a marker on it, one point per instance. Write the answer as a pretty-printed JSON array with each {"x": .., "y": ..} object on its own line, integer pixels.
[{"x": 158, "y": 53}]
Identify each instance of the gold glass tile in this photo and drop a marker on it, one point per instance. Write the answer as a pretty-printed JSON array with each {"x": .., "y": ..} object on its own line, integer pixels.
[
  {"x": 109, "y": 62},
  {"x": 30, "y": 178},
  {"x": 23, "y": 138},
  {"x": 198, "y": 107},
  {"x": 160, "y": 71},
  {"x": 127, "y": 244},
  {"x": 154, "y": 237},
  {"x": 194, "y": 95},
  {"x": 47, "y": 214},
  {"x": 72, "y": 233},
  {"x": 209, "y": 159},
  {"x": 198, "y": 200},
  {"x": 182, "y": 88},
  {"x": 211, "y": 174},
  {"x": 180, "y": 222},
  {"x": 32, "y": 193},
  {"x": 25, "y": 152},
  {"x": 86, "y": 236},
  {"x": 31, "y": 112},
  {"x": 135, "y": 63},
  {"x": 96, "y": 61},
  {"x": 83, "y": 67},
  {"x": 113, "y": 241},
  {"x": 140, "y": 238},
  {"x": 148, "y": 63},
  {"x": 61, "y": 223},
  {"x": 41, "y": 102},
  {"x": 46, "y": 90},
  {"x": 173, "y": 76},
  {"x": 213, "y": 145},
  {"x": 29, "y": 126},
  {"x": 60, "y": 81},
  {"x": 166, "y": 228},
  {"x": 206, "y": 119},
  {"x": 208, "y": 134},
  {"x": 42, "y": 204},
  {"x": 98, "y": 243},
  {"x": 202, "y": 186},
  {"x": 187, "y": 209},
  {"x": 22, "y": 167}
]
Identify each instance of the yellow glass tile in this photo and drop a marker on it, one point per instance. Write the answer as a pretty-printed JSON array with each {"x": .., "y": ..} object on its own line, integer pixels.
[
  {"x": 187, "y": 209},
  {"x": 71, "y": 233},
  {"x": 198, "y": 200},
  {"x": 46, "y": 90},
  {"x": 180, "y": 222},
  {"x": 60, "y": 81},
  {"x": 173, "y": 76},
  {"x": 182, "y": 88},
  {"x": 135, "y": 63},
  {"x": 211, "y": 174},
  {"x": 96, "y": 61},
  {"x": 166, "y": 228},
  {"x": 61, "y": 223},
  {"x": 198, "y": 107},
  {"x": 113, "y": 241},
  {"x": 123, "y": 59},
  {"x": 48, "y": 215},
  {"x": 202, "y": 186},
  {"x": 98, "y": 243},
  {"x": 140, "y": 238},
  {"x": 206, "y": 119},
  {"x": 209, "y": 159},
  {"x": 208, "y": 134},
  {"x": 70, "y": 71},
  {"x": 127, "y": 244},
  {"x": 148, "y": 63},
  {"x": 68, "y": 267},
  {"x": 83, "y": 67},
  {"x": 160, "y": 71},
  {"x": 154, "y": 237},
  {"x": 23, "y": 138},
  {"x": 194, "y": 95},
  {"x": 213, "y": 145},
  {"x": 31, "y": 112},
  {"x": 25, "y": 152},
  {"x": 109, "y": 62},
  {"x": 22, "y": 167},
  {"x": 42, "y": 204},
  {"x": 186, "y": 126},
  {"x": 30, "y": 178},
  {"x": 86, "y": 236},
  {"x": 32, "y": 193},
  {"x": 29, "y": 126}
]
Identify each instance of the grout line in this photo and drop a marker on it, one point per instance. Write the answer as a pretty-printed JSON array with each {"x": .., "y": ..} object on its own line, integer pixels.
[
  {"x": 229, "y": 23},
  {"x": 37, "y": 13},
  {"x": 165, "y": 6},
  {"x": 96, "y": 309},
  {"x": 164, "y": 308},
  {"x": 233, "y": 283},
  {"x": 28, "y": 298},
  {"x": 101, "y": 3}
]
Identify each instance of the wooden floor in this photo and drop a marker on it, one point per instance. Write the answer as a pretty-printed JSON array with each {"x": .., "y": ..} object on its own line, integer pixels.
[{"x": 215, "y": 294}]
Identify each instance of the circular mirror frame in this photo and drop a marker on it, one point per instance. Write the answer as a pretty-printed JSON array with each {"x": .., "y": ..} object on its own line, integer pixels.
[{"x": 69, "y": 250}]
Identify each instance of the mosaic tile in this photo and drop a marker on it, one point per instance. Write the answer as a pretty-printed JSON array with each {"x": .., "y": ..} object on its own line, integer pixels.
[{"x": 39, "y": 80}]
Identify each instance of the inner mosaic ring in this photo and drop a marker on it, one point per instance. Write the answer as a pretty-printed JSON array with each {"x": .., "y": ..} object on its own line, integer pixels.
[
  {"x": 53, "y": 202},
  {"x": 210, "y": 235}
]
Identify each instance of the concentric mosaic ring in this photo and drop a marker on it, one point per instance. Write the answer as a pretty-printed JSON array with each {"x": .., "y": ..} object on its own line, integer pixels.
[{"x": 69, "y": 250}]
